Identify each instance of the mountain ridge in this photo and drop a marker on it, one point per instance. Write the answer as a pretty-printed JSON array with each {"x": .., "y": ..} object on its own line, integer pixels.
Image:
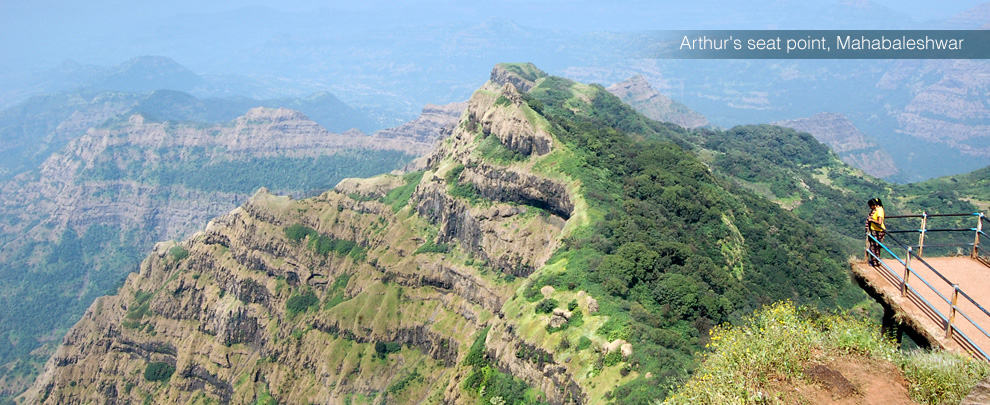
[{"x": 440, "y": 275}]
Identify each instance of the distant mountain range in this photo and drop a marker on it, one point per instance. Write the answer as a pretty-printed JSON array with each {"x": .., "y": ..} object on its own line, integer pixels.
[
  {"x": 170, "y": 82},
  {"x": 41, "y": 125}
]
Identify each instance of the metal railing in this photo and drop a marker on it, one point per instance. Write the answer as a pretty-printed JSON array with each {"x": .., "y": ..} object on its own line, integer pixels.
[
  {"x": 949, "y": 320},
  {"x": 924, "y": 230}
]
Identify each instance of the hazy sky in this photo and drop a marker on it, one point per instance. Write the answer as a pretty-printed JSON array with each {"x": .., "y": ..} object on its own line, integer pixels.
[
  {"x": 47, "y": 31},
  {"x": 44, "y": 33}
]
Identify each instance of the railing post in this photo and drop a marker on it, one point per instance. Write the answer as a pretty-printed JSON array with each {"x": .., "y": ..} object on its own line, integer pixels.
[
  {"x": 867, "y": 244},
  {"x": 921, "y": 238},
  {"x": 976, "y": 240},
  {"x": 907, "y": 272},
  {"x": 952, "y": 316}
]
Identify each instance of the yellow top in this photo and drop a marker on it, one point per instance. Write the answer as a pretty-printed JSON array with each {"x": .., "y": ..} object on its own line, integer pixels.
[{"x": 876, "y": 220}]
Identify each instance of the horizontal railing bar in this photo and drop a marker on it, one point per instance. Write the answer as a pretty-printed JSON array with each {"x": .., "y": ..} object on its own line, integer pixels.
[
  {"x": 939, "y": 245},
  {"x": 960, "y": 312},
  {"x": 928, "y": 245},
  {"x": 980, "y": 307},
  {"x": 947, "y": 301},
  {"x": 932, "y": 230},
  {"x": 971, "y": 342},
  {"x": 886, "y": 248},
  {"x": 932, "y": 215},
  {"x": 922, "y": 260},
  {"x": 928, "y": 304}
]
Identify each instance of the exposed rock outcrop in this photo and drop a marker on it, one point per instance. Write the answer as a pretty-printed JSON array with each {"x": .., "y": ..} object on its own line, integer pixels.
[
  {"x": 434, "y": 123},
  {"x": 497, "y": 234},
  {"x": 501, "y": 112},
  {"x": 522, "y": 76},
  {"x": 539, "y": 369},
  {"x": 512, "y": 186}
]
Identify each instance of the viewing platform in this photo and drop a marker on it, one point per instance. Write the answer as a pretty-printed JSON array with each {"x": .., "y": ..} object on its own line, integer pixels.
[{"x": 941, "y": 299}]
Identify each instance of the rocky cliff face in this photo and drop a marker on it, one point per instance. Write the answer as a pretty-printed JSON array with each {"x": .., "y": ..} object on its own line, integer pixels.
[
  {"x": 374, "y": 290},
  {"x": 126, "y": 184},
  {"x": 71, "y": 189},
  {"x": 434, "y": 123},
  {"x": 852, "y": 146},
  {"x": 499, "y": 112},
  {"x": 638, "y": 93}
]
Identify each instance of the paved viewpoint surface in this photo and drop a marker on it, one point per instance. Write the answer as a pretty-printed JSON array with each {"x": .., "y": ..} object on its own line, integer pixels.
[{"x": 973, "y": 278}]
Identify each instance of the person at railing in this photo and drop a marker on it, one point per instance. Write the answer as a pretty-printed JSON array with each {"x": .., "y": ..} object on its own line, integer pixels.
[{"x": 877, "y": 228}]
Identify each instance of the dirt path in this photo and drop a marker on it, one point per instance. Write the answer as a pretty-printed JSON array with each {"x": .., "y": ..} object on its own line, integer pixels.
[{"x": 847, "y": 380}]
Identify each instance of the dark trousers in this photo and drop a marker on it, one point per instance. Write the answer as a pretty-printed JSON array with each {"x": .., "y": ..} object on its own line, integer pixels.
[{"x": 874, "y": 246}]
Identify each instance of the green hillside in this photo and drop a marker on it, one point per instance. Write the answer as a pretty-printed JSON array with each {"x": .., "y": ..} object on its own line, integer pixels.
[{"x": 675, "y": 249}]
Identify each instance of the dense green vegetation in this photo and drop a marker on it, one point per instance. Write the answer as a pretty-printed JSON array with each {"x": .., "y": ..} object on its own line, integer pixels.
[
  {"x": 399, "y": 196},
  {"x": 780, "y": 340},
  {"x": 459, "y": 189},
  {"x": 795, "y": 170},
  {"x": 383, "y": 349},
  {"x": 490, "y": 385},
  {"x": 298, "y": 303},
  {"x": 546, "y": 306},
  {"x": 323, "y": 244},
  {"x": 44, "y": 293},
  {"x": 674, "y": 249},
  {"x": 193, "y": 168},
  {"x": 491, "y": 149},
  {"x": 975, "y": 185},
  {"x": 178, "y": 253},
  {"x": 158, "y": 371}
]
